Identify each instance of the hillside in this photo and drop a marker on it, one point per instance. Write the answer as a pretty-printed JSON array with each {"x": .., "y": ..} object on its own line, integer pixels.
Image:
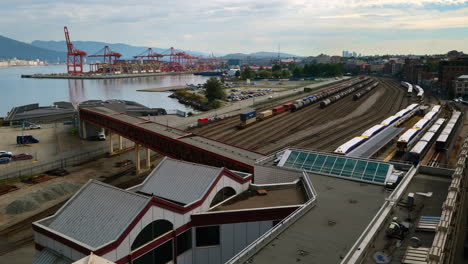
[
  {"x": 10, "y": 48},
  {"x": 91, "y": 47},
  {"x": 260, "y": 54}
]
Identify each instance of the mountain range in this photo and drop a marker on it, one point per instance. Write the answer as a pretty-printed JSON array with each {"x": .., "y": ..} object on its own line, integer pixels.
[
  {"x": 55, "y": 51},
  {"x": 10, "y": 48}
]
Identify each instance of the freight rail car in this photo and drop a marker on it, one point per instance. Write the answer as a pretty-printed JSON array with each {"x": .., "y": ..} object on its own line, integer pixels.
[
  {"x": 249, "y": 118},
  {"x": 371, "y": 132},
  {"x": 306, "y": 101},
  {"x": 448, "y": 135},
  {"x": 341, "y": 94},
  {"x": 411, "y": 136},
  {"x": 365, "y": 91},
  {"x": 420, "y": 149}
]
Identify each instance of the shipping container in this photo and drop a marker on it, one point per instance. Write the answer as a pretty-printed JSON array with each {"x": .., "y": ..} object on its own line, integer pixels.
[
  {"x": 248, "y": 122},
  {"x": 265, "y": 114},
  {"x": 248, "y": 115},
  {"x": 278, "y": 109}
]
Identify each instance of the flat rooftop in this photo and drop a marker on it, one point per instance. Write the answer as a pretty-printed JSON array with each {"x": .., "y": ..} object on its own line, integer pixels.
[
  {"x": 327, "y": 231},
  {"x": 423, "y": 207},
  {"x": 291, "y": 195}
]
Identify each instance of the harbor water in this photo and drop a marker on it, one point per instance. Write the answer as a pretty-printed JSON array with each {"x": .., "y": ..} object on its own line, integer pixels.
[{"x": 17, "y": 91}]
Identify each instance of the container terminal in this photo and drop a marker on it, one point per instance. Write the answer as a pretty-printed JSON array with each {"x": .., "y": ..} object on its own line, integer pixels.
[
  {"x": 287, "y": 186},
  {"x": 146, "y": 64}
]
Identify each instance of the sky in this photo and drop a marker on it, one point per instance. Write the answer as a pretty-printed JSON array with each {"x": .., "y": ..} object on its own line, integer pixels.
[{"x": 301, "y": 27}]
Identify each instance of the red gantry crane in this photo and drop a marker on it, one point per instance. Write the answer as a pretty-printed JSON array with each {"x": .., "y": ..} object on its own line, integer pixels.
[
  {"x": 74, "y": 56},
  {"x": 108, "y": 55}
]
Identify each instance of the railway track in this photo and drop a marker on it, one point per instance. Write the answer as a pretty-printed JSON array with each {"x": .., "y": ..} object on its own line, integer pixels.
[{"x": 312, "y": 127}]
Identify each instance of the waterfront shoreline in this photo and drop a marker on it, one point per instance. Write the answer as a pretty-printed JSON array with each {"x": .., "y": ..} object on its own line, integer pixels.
[{"x": 98, "y": 77}]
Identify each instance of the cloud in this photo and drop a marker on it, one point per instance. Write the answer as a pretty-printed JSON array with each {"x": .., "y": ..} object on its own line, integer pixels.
[{"x": 301, "y": 26}]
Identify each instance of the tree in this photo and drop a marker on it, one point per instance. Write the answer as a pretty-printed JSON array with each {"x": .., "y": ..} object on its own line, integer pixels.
[
  {"x": 264, "y": 74},
  {"x": 248, "y": 73},
  {"x": 276, "y": 67},
  {"x": 214, "y": 89},
  {"x": 297, "y": 72},
  {"x": 285, "y": 73},
  {"x": 238, "y": 73}
]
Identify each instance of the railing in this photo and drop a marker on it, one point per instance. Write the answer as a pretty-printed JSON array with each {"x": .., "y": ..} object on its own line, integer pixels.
[{"x": 266, "y": 238}]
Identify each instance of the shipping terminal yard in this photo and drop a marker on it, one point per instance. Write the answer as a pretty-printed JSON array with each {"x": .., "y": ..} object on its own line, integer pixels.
[{"x": 354, "y": 170}]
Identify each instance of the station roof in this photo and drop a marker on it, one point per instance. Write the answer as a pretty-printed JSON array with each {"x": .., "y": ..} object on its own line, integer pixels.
[
  {"x": 328, "y": 230},
  {"x": 338, "y": 166},
  {"x": 96, "y": 214},
  {"x": 179, "y": 181},
  {"x": 374, "y": 144}
]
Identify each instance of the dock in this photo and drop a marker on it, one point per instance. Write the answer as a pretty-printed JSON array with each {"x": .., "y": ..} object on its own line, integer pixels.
[
  {"x": 164, "y": 89},
  {"x": 98, "y": 76}
]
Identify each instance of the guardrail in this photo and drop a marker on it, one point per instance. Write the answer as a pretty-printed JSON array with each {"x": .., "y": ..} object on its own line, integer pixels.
[{"x": 266, "y": 238}]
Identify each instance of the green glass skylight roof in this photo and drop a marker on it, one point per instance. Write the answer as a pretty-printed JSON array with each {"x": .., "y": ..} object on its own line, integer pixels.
[{"x": 340, "y": 166}]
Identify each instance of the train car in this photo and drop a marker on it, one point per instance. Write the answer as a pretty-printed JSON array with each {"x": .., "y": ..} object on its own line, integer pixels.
[
  {"x": 420, "y": 93},
  {"x": 409, "y": 88},
  {"x": 365, "y": 91},
  {"x": 265, "y": 114},
  {"x": 404, "y": 141},
  {"x": 421, "y": 123},
  {"x": 446, "y": 137},
  {"x": 418, "y": 151},
  {"x": 350, "y": 145},
  {"x": 288, "y": 106},
  {"x": 325, "y": 103},
  {"x": 402, "y": 112},
  {"x": 297, "y": 106},
  {"x": 373, "y": 131},
  {"x": 248, "y": 122},
  {"x": 278, "y": 109},
  {"x": 248, "y": 115},
  {"x": 202, "y": 121},
  {"x": 248, "y": 118},
  {"x": 389, "y": 120}
]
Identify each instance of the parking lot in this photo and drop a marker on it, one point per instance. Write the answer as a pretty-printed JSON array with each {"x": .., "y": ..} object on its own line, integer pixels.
[{"x": 55, "y": 141}]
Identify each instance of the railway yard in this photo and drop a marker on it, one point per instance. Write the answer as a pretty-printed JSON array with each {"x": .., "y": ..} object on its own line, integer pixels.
[
  {"x": 303, "y": 121},
  {"x": 313, "y": 127}
]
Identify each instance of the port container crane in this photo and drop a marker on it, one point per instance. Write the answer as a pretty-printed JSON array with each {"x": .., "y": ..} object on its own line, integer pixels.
[{"x": 74, "y": 56}]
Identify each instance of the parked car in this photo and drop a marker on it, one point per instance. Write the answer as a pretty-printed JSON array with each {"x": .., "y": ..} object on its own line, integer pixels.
[
  {"x": 32, "y": 126},
  {"x": 4, "y": 160},
  {"x": 5, "y": 155},
  {"x": 26, "y": 139},
  {"x": 102, "y": 137},
  {"x": 22, "y": 156}
]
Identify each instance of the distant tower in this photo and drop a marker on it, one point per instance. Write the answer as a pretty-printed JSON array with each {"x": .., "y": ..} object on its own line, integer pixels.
[{"x": 279, "y": 51}]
